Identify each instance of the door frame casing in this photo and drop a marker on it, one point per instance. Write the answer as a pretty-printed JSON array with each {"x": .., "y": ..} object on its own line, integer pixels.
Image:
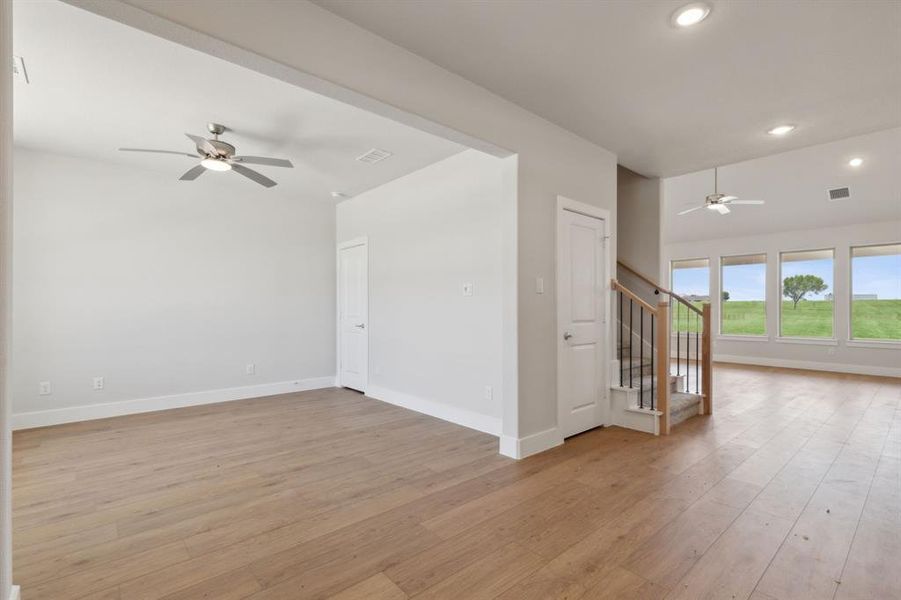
[
  {"x": 359, "y": 241},
  {"x": 588, "y": 210}
]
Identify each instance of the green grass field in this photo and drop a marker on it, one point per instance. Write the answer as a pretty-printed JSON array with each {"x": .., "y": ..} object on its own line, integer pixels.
[{"x": 872, "y": 319}]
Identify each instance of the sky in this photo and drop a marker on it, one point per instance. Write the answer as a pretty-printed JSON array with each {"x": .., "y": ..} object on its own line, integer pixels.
[{"x": 880, "y": 275}]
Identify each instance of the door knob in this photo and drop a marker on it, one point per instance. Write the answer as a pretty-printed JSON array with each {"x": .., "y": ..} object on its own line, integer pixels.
[
  {"x": 360, "y": 325},
  {"x": 567, "y": 335}
]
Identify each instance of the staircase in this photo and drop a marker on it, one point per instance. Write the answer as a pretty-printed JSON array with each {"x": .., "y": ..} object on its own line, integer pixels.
[{"x": 677, "y": 354}]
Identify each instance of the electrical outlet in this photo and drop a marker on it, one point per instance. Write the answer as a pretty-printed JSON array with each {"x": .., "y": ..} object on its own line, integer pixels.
[
  {"x": 44, "y": 388},
  {"x": 250, "y": 369},
  {"x": 489, "y": 392},
  {"x": 98, "y": 383}
]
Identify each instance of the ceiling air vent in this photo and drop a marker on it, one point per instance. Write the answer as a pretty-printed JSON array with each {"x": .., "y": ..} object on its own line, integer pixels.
[
  {"x": 373, "y": 156},
  {"x": 19, "y": 72},
  {"x": 841, "y": 193}
]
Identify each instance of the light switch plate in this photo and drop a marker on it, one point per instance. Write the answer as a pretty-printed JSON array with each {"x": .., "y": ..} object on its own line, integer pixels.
[
  {"x": 467, "y": 289},
  {"x": 539, "y": 285}
]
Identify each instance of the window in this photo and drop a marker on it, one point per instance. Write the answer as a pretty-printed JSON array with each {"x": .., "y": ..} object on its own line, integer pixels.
[
  {"x": 807, "y": 294},
  {"x": 743, "y": 303},
  {"x": 876, "y": 292},
  {"x": 691, "y": 280}
]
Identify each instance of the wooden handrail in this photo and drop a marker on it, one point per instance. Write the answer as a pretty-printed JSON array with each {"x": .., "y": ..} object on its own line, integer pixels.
[
  {"x": 618, "y": 286},
  {"x": 656, "y": 285}
]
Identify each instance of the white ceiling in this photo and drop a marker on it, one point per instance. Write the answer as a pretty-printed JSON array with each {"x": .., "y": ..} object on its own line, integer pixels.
[
  {"x": 97, "y": 85},
  {"x": 794, "y": 185},
  {"x": 667, "y": 101}
]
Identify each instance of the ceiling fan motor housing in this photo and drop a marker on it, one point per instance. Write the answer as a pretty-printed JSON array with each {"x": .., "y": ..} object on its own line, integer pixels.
[
  {"x": 715, "y": 198},
  {"x": 224, "y": 149}
]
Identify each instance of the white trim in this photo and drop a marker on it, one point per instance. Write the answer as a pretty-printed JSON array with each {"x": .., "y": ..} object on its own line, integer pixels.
[
  {"x": 742, "y": 338},
  {"x": 445, "y": 412},
  {"x": 807, "y": 341},
  {"x": 14, "y": 593},
  {"x": 352, "y": 243},
  {"x": 884, "y": 344},
  {"x": 596, "y": 212},
  {"x": 809, "y": 365},
  {"x": 531, "y": 444},
  {"x": 89, "y": 412}
]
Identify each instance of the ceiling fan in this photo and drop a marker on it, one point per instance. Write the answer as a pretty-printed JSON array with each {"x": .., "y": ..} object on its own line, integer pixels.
[
  {"x": 217, "y": 155},
  {"x": 719, "y": 202}
]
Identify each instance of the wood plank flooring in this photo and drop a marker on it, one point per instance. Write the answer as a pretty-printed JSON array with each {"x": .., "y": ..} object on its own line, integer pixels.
[{"x": 791, "y": 490}]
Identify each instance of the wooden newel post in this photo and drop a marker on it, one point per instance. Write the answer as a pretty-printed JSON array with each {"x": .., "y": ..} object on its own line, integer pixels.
[
  {"x": 707, "y": 361},
  {"x": 663, "y": 359}
]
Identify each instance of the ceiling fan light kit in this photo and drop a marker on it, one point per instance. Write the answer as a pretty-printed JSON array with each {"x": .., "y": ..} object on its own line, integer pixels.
[{"x": 216, "y": 155}]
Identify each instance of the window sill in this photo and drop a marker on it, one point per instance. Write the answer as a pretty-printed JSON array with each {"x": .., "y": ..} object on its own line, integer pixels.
[
  {"x": 742, "y": 338},
  {"x": 808, "y": 341},
  {"x": 889, "y": 344}
]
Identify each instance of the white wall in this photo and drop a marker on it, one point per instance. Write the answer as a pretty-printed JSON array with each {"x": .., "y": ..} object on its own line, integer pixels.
[
  {"x": 6, "y": 171},
  {"x": 163, "y": 288},
  {"x": 429, "y": 233},
  {"x": 638, "y": 201},
  {"x": 840, "y": 355},
  {"x": 309, "y": 46}
]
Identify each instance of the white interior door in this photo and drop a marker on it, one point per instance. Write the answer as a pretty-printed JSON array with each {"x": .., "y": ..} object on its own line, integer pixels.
[
  {"x": 581, "y": 298},
  {"x": 353, "y": 315}
]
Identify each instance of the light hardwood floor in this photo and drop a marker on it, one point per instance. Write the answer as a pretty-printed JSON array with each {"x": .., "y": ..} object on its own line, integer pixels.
[{"x": 791, "y": 490}]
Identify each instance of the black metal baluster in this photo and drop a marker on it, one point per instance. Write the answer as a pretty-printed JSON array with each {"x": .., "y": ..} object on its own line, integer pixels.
[
  {"x": 653, "y": 372},
  {"x": 621, "y": 340},
  {"x": 641, "y": 356},
  {"x": 631, "y": 308},
  {"x": 678, "y": 366},
  {"x": 697, "y": 353},
  {"x": 687, "y": 346}
]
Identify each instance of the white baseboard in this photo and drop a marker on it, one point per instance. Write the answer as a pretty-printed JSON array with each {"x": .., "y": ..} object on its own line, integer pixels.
[
  {"x": 445, "y": 412},
  {"x": 14, "y": 593},
  {"x": 88, "y": 412},
  {"x": 531, "y": 444},
  {"x": 810, "y": 365}
]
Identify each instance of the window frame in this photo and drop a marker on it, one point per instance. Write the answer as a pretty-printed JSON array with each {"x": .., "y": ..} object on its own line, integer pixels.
[
  {"x": 827, "y": 341},
  {"x": 766, "y": 322},
  {"x": 675, "y": 260},
  {"x": 672, "y": 313},
  {"x": 852, "y": 341}
]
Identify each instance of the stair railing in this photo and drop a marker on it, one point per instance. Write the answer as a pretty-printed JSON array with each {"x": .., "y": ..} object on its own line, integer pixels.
[
  {"x": 691, "y": 328},
  {"x": 628, "y": 305}
]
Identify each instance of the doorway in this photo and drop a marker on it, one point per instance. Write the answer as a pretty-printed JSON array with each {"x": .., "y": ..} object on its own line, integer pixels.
[
  {"x": 353, "y": 314},
  {"x": 582, "y": 315}
]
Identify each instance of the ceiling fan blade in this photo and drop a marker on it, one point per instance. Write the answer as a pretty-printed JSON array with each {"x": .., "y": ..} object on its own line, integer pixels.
[
  {"x": 721, "y": 208},
  {"x": 748, "y": 202},
  {"x": 728, "y": 199},
  {"x": 158, "y": 151},
  {"x": 262, "y": 160},
  {"x": 251, "y": 174},
  {"x": 193, "y": 173},
  {"x": 685, "y": 212},
  {"x": 203, "y": 144}
]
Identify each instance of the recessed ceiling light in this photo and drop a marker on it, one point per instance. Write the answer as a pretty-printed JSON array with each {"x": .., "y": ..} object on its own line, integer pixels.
[
  {"x": 855, "y": 162},
  {"x": 691, "y": 14},
  {"x": 781, "y": 130}
]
